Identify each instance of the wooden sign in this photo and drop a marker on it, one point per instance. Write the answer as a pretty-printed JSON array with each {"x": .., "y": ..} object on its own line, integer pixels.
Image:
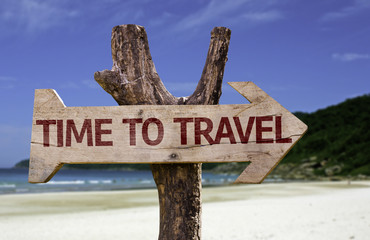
[{"x": 260, "y": 133}]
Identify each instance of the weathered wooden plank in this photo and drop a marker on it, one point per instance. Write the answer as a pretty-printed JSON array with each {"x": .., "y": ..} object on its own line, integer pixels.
[{"x": 261, "y": 133}]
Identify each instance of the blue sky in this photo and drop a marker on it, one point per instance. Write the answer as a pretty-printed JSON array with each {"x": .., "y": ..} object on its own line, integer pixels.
[{"x": 305, "y": 54}]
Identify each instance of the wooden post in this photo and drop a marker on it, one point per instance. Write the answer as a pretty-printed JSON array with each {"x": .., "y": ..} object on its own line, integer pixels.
[{"x": 133, "y": 80}]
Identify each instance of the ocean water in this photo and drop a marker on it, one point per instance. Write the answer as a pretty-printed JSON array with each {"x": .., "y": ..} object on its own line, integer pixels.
[{"x": 15, "y": 181}]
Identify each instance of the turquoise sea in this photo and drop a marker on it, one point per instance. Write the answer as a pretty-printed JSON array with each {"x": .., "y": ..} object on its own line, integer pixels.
[{"x": 14, "y": 181}]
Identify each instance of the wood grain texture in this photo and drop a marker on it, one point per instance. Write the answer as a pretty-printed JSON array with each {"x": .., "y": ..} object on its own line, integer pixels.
[
  {"x": 134, "y": 80},
  {"x": 174, "y": 146}
]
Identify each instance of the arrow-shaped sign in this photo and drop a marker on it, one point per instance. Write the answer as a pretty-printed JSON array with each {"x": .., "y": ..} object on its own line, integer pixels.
[{"x": 260, "y": 133}]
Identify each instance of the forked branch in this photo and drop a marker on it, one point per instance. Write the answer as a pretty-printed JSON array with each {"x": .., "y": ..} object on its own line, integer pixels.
[{"x": 134, "y": 80}]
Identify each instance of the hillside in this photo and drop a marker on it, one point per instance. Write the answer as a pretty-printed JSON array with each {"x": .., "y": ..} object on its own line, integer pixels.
[
  {"x": 337, "y": 141},
  {"x": 337, "y": 144}
]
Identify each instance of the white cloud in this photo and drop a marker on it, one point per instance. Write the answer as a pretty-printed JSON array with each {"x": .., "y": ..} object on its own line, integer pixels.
[
  {"x": 231, "y": 11},
  {"x": 35, "y": 15},
  {"x": 213, "y": 10},
  {"x": 357, "y": 7},
  {"x": 164, "y": 18},
  {"x": 267, "y": 16},
  {"x": 348, "y": 57}
]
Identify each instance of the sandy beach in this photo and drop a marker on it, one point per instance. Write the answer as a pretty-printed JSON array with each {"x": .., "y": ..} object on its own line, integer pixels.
[{"x": 314, "y": 210}]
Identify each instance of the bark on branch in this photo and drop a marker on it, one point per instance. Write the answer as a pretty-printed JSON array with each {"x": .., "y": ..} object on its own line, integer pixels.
[
  {"x": 134, "y": 80},
  {"x": 208, "y": 91}
]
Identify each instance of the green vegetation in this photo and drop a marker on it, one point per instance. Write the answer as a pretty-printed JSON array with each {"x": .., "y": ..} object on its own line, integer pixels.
[
  {"x": 337, "y": 143},
  {"x": 23, "y": 164}
]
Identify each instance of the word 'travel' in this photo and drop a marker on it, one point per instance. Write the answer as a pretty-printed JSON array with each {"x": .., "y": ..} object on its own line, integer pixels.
[{"x": 224, "y": 130}]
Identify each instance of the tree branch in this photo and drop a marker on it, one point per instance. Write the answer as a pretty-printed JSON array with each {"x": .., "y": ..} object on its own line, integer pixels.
[
  {"x": 208, "y": 91},
  {"x": 133, "y": 80}
]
